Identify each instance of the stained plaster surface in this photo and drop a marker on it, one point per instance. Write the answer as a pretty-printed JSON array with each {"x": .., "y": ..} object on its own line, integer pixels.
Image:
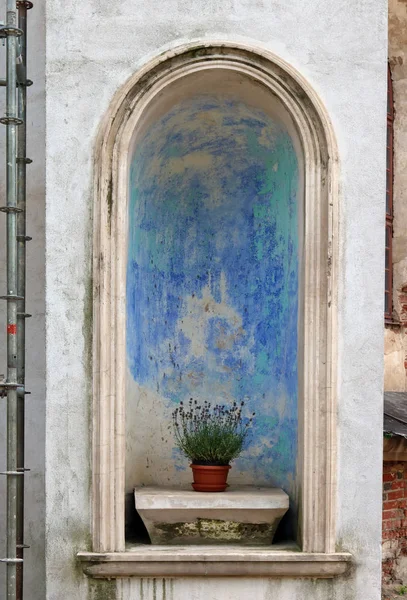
[
  {"x": 34, "y": 557},
  {"x": 92, "y": 48},
  {"x": 230, "y": 589},
  {"x": 212, "y": 286}
]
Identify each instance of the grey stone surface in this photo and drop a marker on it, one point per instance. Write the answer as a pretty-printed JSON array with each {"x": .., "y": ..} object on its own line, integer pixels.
[{"x": 241, "y": 515}]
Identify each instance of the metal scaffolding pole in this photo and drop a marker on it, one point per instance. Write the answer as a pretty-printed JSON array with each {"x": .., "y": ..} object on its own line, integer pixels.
[
  {"x": 22, "y": 238},
  {"x": 11, "y": 179},
  {"x": 15, "y": 363}
]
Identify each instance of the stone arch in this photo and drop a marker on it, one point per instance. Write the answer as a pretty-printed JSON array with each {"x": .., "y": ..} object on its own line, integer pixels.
[{"x": 317, "y": 314}]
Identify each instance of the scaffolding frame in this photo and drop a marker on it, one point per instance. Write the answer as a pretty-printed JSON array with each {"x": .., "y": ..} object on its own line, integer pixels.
[{"x": 16, "y": 83}]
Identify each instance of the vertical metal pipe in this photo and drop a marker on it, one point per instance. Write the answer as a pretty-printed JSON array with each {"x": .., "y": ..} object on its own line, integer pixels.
[
  {"x": 22, "y": 6},
  {"x": 11, "y": 142}
]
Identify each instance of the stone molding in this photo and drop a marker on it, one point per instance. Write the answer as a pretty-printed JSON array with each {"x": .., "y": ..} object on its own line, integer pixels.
[
  {"x": 317, "y": 322},
  {"x": 210, "y": 561}
]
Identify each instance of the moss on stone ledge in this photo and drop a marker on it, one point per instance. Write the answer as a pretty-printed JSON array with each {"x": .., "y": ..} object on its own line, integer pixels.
[{"x": 215, "y": 530}]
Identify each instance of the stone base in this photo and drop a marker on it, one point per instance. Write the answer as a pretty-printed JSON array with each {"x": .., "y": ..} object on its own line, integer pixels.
[{"x": 241, "y": 515}]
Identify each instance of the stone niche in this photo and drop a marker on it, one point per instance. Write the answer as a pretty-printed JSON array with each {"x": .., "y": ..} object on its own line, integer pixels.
[{"x": 213, "y": 272}]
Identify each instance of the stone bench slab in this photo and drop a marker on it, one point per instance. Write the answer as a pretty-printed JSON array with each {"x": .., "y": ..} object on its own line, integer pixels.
[{"x": 242, "y": 515}]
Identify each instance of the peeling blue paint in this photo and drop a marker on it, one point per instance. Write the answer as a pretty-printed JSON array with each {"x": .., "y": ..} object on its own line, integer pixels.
[{"x": 212, "y": 276}]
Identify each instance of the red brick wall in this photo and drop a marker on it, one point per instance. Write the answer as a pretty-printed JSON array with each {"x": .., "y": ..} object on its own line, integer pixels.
[{"x": 394, "y": 519}]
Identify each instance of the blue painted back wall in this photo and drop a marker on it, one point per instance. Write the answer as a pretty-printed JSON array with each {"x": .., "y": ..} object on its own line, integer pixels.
[{"x": 212, "y": 275}]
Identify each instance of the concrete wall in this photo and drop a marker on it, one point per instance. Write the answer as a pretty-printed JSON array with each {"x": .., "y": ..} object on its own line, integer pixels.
[
  {"x": 395, "y": 337},
  {"x": 34, "y": 577},
  {"x": 92, "y": 48}
]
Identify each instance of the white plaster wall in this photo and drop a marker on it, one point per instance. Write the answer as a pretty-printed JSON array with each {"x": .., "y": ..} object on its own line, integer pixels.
[
  {"x": 92, "y": 48},
  {"x": 34, "y": 574},
  {"x": 232, "y": 589}
]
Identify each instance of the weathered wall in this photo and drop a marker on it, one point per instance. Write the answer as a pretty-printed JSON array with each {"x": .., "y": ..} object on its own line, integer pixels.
[
  {"x": 212, "y": 285},
  {"x": 92, "y": 48},
  {"x": 34, "y": 573},
  {"x": 395, "y": 336},
  {"x": 232, "y": 589}
]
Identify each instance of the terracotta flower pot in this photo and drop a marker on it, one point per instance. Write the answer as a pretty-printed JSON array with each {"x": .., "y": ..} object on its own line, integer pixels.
[{"x": 210, "y": 478}]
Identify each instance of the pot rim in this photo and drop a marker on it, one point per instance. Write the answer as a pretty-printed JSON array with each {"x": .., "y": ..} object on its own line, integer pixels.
[{"x": 216, "y": 467}]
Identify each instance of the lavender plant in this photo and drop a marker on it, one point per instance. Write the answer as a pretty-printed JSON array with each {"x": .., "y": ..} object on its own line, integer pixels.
[{"x": 211, "y": 435}]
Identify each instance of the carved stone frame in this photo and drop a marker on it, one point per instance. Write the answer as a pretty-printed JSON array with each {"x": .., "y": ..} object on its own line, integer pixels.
[{"x": 317, "y": 353}]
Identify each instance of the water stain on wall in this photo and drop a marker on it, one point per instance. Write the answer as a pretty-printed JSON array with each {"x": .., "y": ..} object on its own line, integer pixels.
[{"x": 212, "y": 276}]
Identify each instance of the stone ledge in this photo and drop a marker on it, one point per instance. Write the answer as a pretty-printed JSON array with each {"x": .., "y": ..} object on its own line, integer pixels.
[
  {"x": 244, "y": 515},
  {"x": 210, "y": 561}
]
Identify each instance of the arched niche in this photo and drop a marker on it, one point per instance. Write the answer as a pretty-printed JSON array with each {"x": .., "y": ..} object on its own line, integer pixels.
[
  {"x": 213, "y": 275},
  {"x": 263, "y": 84}
]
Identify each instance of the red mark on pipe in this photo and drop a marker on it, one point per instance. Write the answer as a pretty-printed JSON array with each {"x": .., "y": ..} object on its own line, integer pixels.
[{"x": 12, "y": 329}]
